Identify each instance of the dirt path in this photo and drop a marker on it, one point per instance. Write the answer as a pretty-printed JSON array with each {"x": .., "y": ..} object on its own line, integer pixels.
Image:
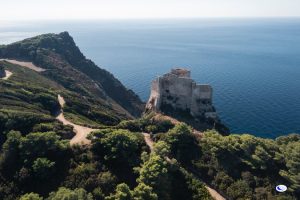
[
  {"x": 7, "y": 75},
  {"x": 81, "y": 131},
  {"x": 29, "y": 65},
  {"x": 212, "y": 192},
  {"x": 148, "y": 141}
]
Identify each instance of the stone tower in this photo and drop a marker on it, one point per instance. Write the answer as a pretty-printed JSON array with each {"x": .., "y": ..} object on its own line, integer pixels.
[{"x": 178, "y": 91}]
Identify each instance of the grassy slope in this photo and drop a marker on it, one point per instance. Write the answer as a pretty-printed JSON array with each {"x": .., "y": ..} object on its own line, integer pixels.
[{"x": 29, "y": 98}]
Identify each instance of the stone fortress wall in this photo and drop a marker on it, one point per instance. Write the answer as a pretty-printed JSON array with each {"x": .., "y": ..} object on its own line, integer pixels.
[{"x": 178, "y": 90}]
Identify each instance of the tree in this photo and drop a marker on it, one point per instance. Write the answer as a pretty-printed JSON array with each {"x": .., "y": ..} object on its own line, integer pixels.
[
  {"x": 154, "y": 173},
  {"x": 122, "y": 193},
  {"x": 195, "y": 188},
  {"x": 9, "y": 161},
  {"x": 222, "y": 181},
  {"x": 41, "y": 145},
  {"x": 162, "y": 149},
  {"x": 43, "y": 168},
  {"x": 132, "y": 125},
  {"x": 183, "y": 144},
  {"x": 107, "y": 181},
  {"x": 68, "y": 194},
  {"x": 98, "y": 194},
  {"x": 239, "y": 190},
  {"x": 31, "y": 196},
  {"x": 144, "y": 192},
  {"x": 118, "y": 147},
  {"x": 151, "y": 129}
]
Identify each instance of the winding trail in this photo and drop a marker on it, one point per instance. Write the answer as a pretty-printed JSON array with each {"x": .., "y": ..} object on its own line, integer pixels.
[
  {"x": 212, "y": 192},
  {"x": 148, "y": 141},
  {"x": 29, "y": 65},
  {"x": 7, "y": 75},
  {"x": 81, "y": 131}
]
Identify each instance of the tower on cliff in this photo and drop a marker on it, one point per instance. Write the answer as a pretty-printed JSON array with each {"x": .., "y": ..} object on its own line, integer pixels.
[{"x": 176, "y": 90}]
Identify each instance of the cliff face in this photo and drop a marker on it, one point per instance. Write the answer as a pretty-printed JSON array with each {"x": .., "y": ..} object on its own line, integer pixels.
[{"x": 66, "y": 65}]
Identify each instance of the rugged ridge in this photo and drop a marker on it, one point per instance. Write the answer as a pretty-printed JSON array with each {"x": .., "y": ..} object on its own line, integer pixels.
[{"x": 66, "y": 64}]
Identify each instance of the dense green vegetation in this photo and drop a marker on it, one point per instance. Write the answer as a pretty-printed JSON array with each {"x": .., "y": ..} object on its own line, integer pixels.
[
  {"x": 119, "y": 165},
  {"x": 240, "y": 166},
  {"x": 147, "y": 124}
]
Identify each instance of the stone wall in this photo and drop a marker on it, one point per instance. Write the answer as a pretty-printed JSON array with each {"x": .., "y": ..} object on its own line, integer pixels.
[
  {"x": 154, "y": 99},
  {"x": 201, "y": 100},
  {"x": 176, "y": 91}
]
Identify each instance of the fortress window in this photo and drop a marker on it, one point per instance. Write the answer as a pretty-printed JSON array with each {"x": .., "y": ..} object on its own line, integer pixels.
[{"x": 167, "y": 91}]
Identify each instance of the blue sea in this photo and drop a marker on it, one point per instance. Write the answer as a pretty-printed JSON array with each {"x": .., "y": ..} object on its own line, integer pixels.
[{"x": 252, "y": 64}]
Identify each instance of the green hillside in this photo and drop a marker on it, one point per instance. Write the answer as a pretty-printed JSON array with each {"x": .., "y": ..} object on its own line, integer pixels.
[
  {"x": 129, "y": 157},
  {"x": 29, "y": 93},
  {"x": 67, "y": 66}
]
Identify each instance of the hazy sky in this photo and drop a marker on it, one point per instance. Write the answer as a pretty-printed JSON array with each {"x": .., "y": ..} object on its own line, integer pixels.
[{"x": 99, "y": 9}]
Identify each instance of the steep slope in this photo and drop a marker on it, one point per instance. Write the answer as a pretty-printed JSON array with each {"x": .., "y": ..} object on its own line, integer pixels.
[
  {"x": 28, "y": 102},
  {"x": 66, "y": 65}
]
